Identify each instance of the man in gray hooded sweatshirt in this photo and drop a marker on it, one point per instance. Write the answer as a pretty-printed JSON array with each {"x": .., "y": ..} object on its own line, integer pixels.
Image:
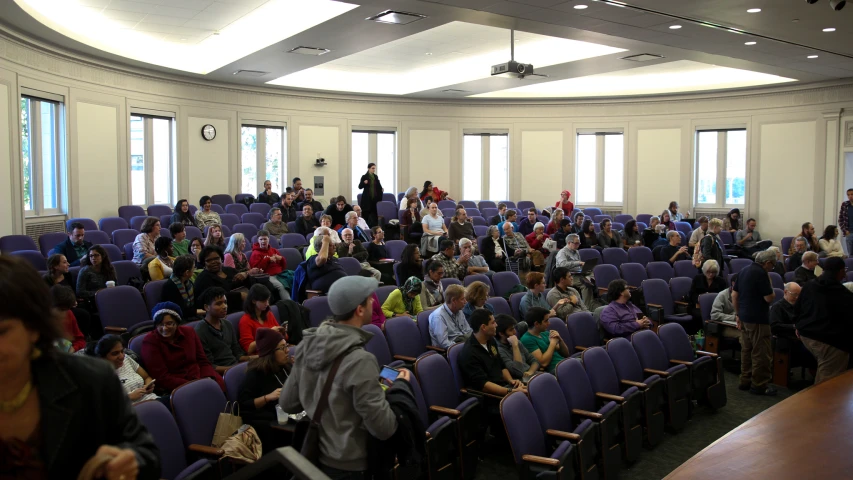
[{"x": 357, "y": 406}]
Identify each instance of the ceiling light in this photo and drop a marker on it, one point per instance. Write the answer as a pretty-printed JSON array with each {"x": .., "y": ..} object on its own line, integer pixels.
[
  {"x": 812, "y": 56},
  {"x": 811, "y": 2},
  {"x": 837, "y": 4},
  {"x": 753, "y": 10},
  {"x": 674, "y": 27},
  {"x": 830, "y": 29},
  {"x": 309, "y": 51},
  {"x": 642, "y": 57},
  {"x": 428, "y": 54},
  {"x": 750, "y": 43},
  {"x": 397, "y": 18},
  {"x": 580, "y": 7},
  {"x": 250, "y": 73}
]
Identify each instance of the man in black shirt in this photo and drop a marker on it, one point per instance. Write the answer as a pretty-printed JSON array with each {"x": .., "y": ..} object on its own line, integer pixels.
[
  {"x": 751, "y": 298},
  {"x": 796, "y": 259},
  {"x": 309, "y": 200},
  {"x": 783, "y": 314},
  {"x": 217, "y": 335},
  {"x": 307, "y": 223},
  {"x": 480, "y": 361},
  {"x": 288, "y": 208},
  {"x": 674, "y": 251},
  {"x": 805, "y": 272},
  {"x": 564, "y": 231}
]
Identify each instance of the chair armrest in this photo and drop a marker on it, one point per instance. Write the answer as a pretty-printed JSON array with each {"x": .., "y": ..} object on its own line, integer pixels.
[
  {"x": 656, "y": 372},
  {"x": 572, "y": 437},
  {"x": 436, "y": 349},
  {"x": 679, "y": 302},
  {"x": 631, "y": 287},
  {"x": 602, "y": 290},
  {"x": 204, "y": 449},
  {"x": 551, "y": 462},
  {"x": 445, "y": 411},
  {"x": 654, "y": 305},
  {"x": 405, "y": 358},
  {"x": 632, "y": 383},
  {"x": 587, "y": 414},
  {"x": 313, "y": 293},
  {"x": 680, "y": 362},
  {"x": 579, "y": 348},
  {"x": 609, "y": 397},
  {"x": 478, "y": 393},
  {"x": 703, "y": 353},
  {"x": 116, "y": 330}
]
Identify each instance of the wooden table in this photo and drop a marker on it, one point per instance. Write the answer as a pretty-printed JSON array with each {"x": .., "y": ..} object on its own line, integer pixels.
[{"x": 806, "y": 436}]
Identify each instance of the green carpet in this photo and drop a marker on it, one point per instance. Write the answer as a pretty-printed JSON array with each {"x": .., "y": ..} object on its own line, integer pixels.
[{"x": 703, "y": 429}]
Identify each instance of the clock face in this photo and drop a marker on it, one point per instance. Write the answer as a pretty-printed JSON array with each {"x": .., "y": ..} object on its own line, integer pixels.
[{"x": 208, "y": 132}]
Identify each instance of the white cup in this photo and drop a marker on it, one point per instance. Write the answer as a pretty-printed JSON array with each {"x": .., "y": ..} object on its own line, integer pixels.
[{"x": 111, "y": 284}]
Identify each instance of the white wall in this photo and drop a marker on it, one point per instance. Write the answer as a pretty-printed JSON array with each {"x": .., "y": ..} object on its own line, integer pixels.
[
  {"x": 659, "y": 169},
  {"x": 542, "y": 167},
  {"x": 429, "y": 159},
  {"x": 324, "y": 141},
  {"x": 6, "y": 215},
  {"x": 209, "y": 161},
  {"x": 97, "y": 174}
]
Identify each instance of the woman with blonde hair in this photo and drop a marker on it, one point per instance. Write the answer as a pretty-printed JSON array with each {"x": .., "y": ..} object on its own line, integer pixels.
[{"x": 476, "y": 295}]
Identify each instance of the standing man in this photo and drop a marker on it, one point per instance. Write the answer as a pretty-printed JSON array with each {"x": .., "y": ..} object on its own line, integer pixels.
[
  {"x": 824, "y": 325},
  {"x": 357, "y": 408},
  {"x": 751, "y": 298},
  {"x": 75, "y": 247},
  {"x": 371, "y": 194},
  {"x": 845, "y": 221}
]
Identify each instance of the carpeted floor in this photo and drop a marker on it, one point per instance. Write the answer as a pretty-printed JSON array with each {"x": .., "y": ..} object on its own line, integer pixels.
[{"x": 703, "y": 429}]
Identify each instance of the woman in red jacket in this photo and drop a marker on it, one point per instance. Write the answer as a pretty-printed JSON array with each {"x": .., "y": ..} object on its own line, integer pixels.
[
  {"x": 270, "y": 261},
  {"x": 64, "y": 300},
  {"x": 258, "y": 315},
  {"x": 172, "y": 353}
]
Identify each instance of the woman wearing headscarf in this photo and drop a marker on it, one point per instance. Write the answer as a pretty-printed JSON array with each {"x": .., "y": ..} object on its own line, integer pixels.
[
  {"x": 564, "y": 202},
  {"x": 371, "y": 194},
  {"x": 404, "y": 300}
]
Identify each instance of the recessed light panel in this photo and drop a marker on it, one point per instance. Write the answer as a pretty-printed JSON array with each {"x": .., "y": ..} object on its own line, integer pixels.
[
  {"x": 753, "y": 10},
  {"x": 397, "y": 18},
  {"x": 309, "y": 51},
  {"x": 830, "y": 29}
]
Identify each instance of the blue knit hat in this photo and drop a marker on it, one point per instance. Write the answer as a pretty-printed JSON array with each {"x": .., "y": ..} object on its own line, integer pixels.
[{"x": 162, "y": 309}]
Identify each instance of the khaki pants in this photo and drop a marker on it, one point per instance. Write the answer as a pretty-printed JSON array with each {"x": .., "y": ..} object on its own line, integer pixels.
[
  {"x": 831, "y": 361},
  {"x": 756, "y": 355}
]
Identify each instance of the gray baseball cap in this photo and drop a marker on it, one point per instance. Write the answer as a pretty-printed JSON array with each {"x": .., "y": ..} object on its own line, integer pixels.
[{"x": 350, "y": 292}]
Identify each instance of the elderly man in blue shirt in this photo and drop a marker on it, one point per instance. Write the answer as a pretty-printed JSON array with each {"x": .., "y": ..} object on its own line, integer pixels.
[{"x": 447, "y": 323}]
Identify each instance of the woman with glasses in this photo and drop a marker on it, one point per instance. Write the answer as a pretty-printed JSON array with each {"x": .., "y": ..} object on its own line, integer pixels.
[
  {"x": 217, "y": 275},
  {"x": 96, "y": 272}
]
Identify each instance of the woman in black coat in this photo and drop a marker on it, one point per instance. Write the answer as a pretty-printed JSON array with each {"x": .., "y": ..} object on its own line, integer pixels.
[
  {"x": 60, "y": 410},
  {"x": 180, "y": 289},
  {"x": 490, "y": 250},
  {"x": 371, "y": 195}
]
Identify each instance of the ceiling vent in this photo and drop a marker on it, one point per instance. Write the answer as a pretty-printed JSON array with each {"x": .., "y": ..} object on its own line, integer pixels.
[
  {"x": 250, "y": 73},
  {"x": 310, "y": 51},
  {"x": 454, "y": 91},
  {"x": 643, "y": 57},
  {"x": 398, "y": 18}
]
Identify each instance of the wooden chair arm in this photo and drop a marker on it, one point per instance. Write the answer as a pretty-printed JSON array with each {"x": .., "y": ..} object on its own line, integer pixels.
[
  {"x": 478, "y": 393},
  {"x": 551, "y": 462},
  {"x": 405, "y": 358},
  {"x": 703, "y": 353},
  {"x": 579, "y": 348},
  {"x": 587, "y": 414},
  {"x": 680, "y": 362},
  {"x": 679, "y": 302},
  {"x": 116, "y": 330},
  {"x": 445, "y": 411},
  {"x": 632, "y": 383},
  {"x": 654, "y": 305},
  {"x": 436, "y": 349},
  {"x": 656, "y": 372},
  {"x": 204, "y": 449},
  {"x": 572, "y": 437},
  {"x": 313, "y": 293},
  {"x": 609, "y": 397},
  {"x": 602, "y": 290}
]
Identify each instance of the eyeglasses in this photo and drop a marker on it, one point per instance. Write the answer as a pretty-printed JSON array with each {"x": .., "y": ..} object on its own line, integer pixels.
[
  {"x": 169, "y": 324},
  {"x": 94, "y": 255},
  {"x": 282, "y": 348}
]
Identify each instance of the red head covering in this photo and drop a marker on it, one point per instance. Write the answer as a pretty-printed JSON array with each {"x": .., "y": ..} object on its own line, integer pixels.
[{"x": 567, "y": 206}]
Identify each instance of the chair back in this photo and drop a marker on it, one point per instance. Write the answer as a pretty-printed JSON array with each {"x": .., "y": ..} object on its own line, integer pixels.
[
  {"x": 395, "y": 249},
  {"x": 135, "y": 343},
  {"x": 125, "y": 270},
  {"x": 500, "y": 305},
  {"x": 625, "y": 360},
  {"x": 583, "y": 330},
  {"x": 262, "y": 208},
  {"x": 600, "y": 370},
  {"x": 110, "y": 224},
  {"x": 786, "y": 244},
  {"x": 160, "y": 423},
  {"x": 685, "y": 228},
  {"x": 34, "y": 258},
  {"x": 87, "y": 223},
  {"x": 350, "y": 265},
  {"x": 387, "y": 210},
  {"x": 706, "y": 302},
  {"x": 515, "y": 304},
  {"x": 234, "y": 380},
  {"x": 236, "y": 209},
  {"x": 423, "y": 326},
  {"x": 137, "y": 221},
  {"x": 659, "y": 270},
  {"x": 779, "y": 294},
  {"x": 319, "y": 310},
  {"x": 129, "y": 211},
  {"x": 738, "y": 264},
  {"x": 675, "y": 342},
  {"x": 641, "y": 255},
  {"x": 49, "y": 240},
  {"x": 575, "y": 385},
  {"x": 483, "y": 204},
  {"x": 153, "y": 292},
  {"x": 479, "y": 277},
  {"x": 197, "y": 405},
  {"x": 623, "y": 218},
  {"x": 446, "y": 282},
  {"x": 776, "y": 280},
  {"x": 650, "y": 350},
  {"x": 615, "y": 256},
  {"x": 377, "y": 345},
  {"x": 383, "y": 292},
  {"x": 292, "y": 257},
  {"x": 248, "y": 230},
  {"x": 16, "y": 243},
  {"x": 230, "y": 219},
  {"x": 97, "y": 237},
  {"x": 601, "y": 218},
  {"x": 726, "y": 237},
  {"x": 234, "y": 320},
  {"x": 442, "y": 204},
  {"x": 488, "y": 213},
  {"x": 124, "y": 236},
  {"x": 193, "y": 232},
  {"x": 503, "y": 282},
  {"x": 679, "y": 288},
  {"x": 403, "y": 337},
  {"x": 685, "y": 268},
  {"x": 549, "y": 403},
  {"x": 604, "y": 274},
  {"x": 468, "y": 204},
  {"x": 221, "y": 199},
  {"x": 657, "y": 291},
  {"x": 591, "y": 211},
  {"x": 437, "y": 382},
  {"x": 121, "y": 306},
  {"x": 159, "y": 210},
  {"x": 559, "y": 326},
  {"x": 292, "y": 240},
  {"x": 587, "y": 254},
  {"x": 634, "y": 274},
  {"x": 256, "y": 219}
]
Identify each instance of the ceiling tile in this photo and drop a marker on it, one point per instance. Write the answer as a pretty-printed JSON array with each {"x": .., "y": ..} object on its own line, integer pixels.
[
  {"x": 122, "y": 15},
  {"x": 128, "y": 6},
  {"x": 162, "y": 20},
  {"x": 174, "y": 12}
]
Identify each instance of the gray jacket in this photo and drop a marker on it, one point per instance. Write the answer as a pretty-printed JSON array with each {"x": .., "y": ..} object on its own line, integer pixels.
[
  {"x": 516, "y": 369},
  {"x": 357, "y": 406},
  {"x": 568, "y": 258},
  {"x": 568, "y": 308},
  {"x": 722, "y": 310}
]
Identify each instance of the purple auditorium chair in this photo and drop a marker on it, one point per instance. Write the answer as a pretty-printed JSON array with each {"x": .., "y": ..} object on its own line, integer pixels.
[
  {"x": 153, "y": 292},
  {"x": 241, "y": 197},
  {"x": 583, "y": 331},
  {"x": 533, "y": 456},
  {"x": 193, "y": 232},
  {"x": 480, "y": 240},
  {"x": 236, "y": 209},
  {"x": 849, "y": 276},
  {"x": 423, "y": 326},
  {"x": 591, "y": 211},
  {"x": 479, "y": 277},
  {"x": 479, "y": 221},
  {"x": 113, "y": 252},
  {"x": 447, "y": 220},
  {"x": 383, "y": 292},
  {"x": 234, "y": 380},
  {"x": 661, "y": 306},
  {"x": 387, "y": 210},
  {"x": 442, "y": 204},
  {"x": 473, "y": 212},
  {"x": 193, "y": 209},
  {"x": 480, "y": 231},
  {"x": 789, "y": 277},
  {"x": 273, "y": 242},
  {"x": 556, "y": 420},
  {"x": 645, "y": 218},
  {"x": 780, "y": 293},
  {"x": 601, "y": 218},
  {"x": 641, "y": 226},
  {"x": 136, "y": 222},
  {"x": 292, "y": 240},
  {"x": 261, "y": 208},
  {"x": 660, "y": 270},
  {"x": 641, "y": 255},
  {"x": 159, "y": 210},
  {"x": 488, "y": 213},
  {"x": 629, "y": 373},
  {"x": 221, "y": 199},
  {"x": 654, "y": 360},
  {"x": 468, "y": 204},
  {"x": 33, "y": 257},
  {"x": 97, "y": 237},
  {"x": 448, "y": 212},
  {"x": 135, "y": 343},
  {"x": 500, "y": 305},
  {"x": 679, "y": 290},
  {"x": 390, "y": 197},
  {"x": 129, "y": 211},
  {"x": 395, "y": 249},
  {"x": 685, "y": 268},
  {"x": 437, "y": 379},
  {"x": 605, "y": 384},
  {"x": 292, "y": 257},
  {"x": 706, "y": 369},
  {"x": 685, "y": 228},
  {"x": 165, "y": 221},
  {"x": 503, "y": 282},
  {"x": 127, "y": 249},
  {"x": 738, "y": 264},
  {"x": 584, "y": 404},
  {"x": 604, "y": 274},
  {"x": 634, "y": 274},
  {"x": 87, "y": 223},
  {"x": 785, "y": 245},
  {"x": 319, "y": 310},
  {"x": 49, "y": 240},
  {"x": 110, "y": 224},
  {"x": 776, "y": 280},
  {"x": 446, "y": 282},
  {"x": 197, "y": 406},
  {"x": 217, "y": 208},
  {"x": 234, "y": 320},
  {"x": 405, "y": 340},
  {"x": 229, "y": 219},
  {"x": 125, "y": 270},
  {"x": 256, "y": 219},
  {"x": 515, "y": 304},
  {"x": 588, "y": 254},
  {"x": 122, "y": 309},
  {"x": 400, "y": 196},
  {"x": 559, "y": 325},
  {"x": 358, "y": 198},
  {"x": 247, "y": 229},
  {"x": 399, "y": 280},
  {"x": 617, "y": 226},
  {"x": 15, "y": 243},
  {"x": 706, "y": 302},
  {"x": 487, "y": 204},
  {"x": 728, "y": 240},
  {"x": 350, "y": 265},
  {"x": 378, "y": 346},
  {"x": 623, "y": 218},
  {"x": 615, "y": 256},
  {"x": 525, "y": 205},
  {"x": 684, "y": 238},
  {"x": 160, "y": 423}
]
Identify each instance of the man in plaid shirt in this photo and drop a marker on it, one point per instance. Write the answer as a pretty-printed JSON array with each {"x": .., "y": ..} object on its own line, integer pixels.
[{"x": 845, "y": 217}]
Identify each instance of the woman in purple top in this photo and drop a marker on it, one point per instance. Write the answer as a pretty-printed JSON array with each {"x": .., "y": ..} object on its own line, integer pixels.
[{"x": 621, "y": 318}]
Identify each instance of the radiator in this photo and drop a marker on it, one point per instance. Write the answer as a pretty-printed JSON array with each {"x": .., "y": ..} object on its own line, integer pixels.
[{"x": 35, "y": 230}]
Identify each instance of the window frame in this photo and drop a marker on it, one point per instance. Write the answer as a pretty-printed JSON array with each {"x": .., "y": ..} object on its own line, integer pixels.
[
  {"x": 373, "y": 155},
  {"x": 722, "y": 166},
  {"x": 148, "y": 118},
  {"x": 261, "y": 155},
  {"x": 600, "y": 153},
  {"x": 485, "y": 162},
  {"x": 60, "y": 160}
]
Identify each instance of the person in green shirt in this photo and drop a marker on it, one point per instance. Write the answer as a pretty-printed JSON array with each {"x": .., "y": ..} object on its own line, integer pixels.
[
  {"x": 547, "y": 346},
  {"x": 180, "y": 244}
]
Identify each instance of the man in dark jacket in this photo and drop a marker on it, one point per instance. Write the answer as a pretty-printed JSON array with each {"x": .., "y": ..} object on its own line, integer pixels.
[
  {"x": 307, "y": 223},
  {"x": 74, "y": 248},
  {"x": 309, "y": 200},
  {"x": 824, "y": 325},
  {"x": 288, "y": 208},
  {"x": 783, "y": 314},
  {"x": 805, "y": 272},
  {"x": 564, "y": 231}
]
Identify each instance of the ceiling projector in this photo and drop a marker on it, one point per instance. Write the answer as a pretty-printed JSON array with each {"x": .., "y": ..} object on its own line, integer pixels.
[{"x": 512, "y": 69}]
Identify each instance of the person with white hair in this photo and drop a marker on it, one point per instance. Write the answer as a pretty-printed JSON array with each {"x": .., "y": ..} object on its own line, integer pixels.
[
  {"x": 352, "y": 223},
  {"x": 806, "y": 272},
  {"x": 323, "y": 268},
  {"x": 412, "y": 192},
  {"x": 780, "y": 260},
  {"x": 709, "y": 281},
  {"x": 476, "y": 263},
  {"x": 674, "y": 251},
  {"x": 609, "y": 238},
  {"x": 321, "y": 231},
  {"x": 350, "y": 247},
  {"x": 568, "y": 257},
  {"x": 536, "y": 239}
]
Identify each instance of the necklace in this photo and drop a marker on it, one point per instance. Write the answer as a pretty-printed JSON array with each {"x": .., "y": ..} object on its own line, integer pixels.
[{"x": 10, "y": 406}]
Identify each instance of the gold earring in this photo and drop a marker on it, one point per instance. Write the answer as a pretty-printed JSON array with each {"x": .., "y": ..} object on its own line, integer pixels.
[{"x": 35, "y": 354}]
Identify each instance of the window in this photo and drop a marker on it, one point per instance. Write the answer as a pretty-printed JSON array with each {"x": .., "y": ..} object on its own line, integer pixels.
[
  {"x": 152, "y": 164},
  {"x": 600, "y": 168},
  {"x": 485, "y": 166},
  {"x": 721, "y": 161},
  {"x": 379, "y": 147},
  {"x": 262, "y": 151},
  {"x": 43, "y": 156}
]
